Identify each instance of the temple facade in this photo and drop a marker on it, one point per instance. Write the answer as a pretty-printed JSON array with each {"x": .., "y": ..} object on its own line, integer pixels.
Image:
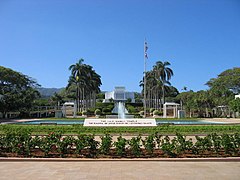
[{"x": 119, "y": 94}]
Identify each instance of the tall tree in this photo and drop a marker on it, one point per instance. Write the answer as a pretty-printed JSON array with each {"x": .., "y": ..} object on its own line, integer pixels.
[
  {"x": 229, "y": 79},
  {"x": 17, "y": 91},
  {"x": 164, "y": 73},
  {"x": 158, "y": 85},
  {"x": 87, "y": 83}
]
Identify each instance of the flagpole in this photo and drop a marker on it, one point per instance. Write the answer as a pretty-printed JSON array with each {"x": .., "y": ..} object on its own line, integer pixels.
[{"x": 145, "y": 80}]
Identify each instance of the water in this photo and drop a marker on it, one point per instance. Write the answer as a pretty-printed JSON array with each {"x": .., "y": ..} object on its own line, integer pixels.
[
  {"x": 121, "y": 110},
  {"x": 185, "y": 122},
  {"x": 158, "y": 122},
  {"x": 60, "y": 122}
]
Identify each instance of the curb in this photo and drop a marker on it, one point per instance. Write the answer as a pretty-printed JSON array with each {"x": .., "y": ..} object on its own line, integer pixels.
[{"x": 227, "y": 159}]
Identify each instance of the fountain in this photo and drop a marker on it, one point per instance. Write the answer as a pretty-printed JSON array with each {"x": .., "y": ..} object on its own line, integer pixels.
[
  {"x": 121, "y": 110},
  {"x": 122, "y": 118}
]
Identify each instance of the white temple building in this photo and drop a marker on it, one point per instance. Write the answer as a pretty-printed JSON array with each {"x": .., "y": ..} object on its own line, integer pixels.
[{"x": 119, "y": 94}]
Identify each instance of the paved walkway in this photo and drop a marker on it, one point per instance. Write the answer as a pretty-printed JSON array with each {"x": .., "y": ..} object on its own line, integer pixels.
[{"x": 119, "y": 170}]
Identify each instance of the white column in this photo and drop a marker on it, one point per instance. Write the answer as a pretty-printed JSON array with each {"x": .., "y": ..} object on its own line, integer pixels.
[
  {"x": 164, "y": 110},
  {"x": 74, "y": 109}
]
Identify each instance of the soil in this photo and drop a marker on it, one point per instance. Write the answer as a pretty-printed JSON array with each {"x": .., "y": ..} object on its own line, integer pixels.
[{"x": 157, "y": 153}]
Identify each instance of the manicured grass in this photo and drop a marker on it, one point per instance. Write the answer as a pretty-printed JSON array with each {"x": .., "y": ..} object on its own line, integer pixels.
[{"x": 163, "y": 129}]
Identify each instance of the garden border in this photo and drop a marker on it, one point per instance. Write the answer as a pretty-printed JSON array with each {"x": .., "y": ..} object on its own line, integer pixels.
[{"x": 226, "y": 159}]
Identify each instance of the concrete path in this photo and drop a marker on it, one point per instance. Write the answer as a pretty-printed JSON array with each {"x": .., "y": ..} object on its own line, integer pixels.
[{"x": 119, "y": 170}]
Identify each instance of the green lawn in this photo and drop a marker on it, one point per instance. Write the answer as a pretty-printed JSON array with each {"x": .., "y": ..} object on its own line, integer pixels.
[{"x": 163, "y": 129}]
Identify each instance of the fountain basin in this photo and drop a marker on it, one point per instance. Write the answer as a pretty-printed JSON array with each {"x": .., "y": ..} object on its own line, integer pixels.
[
  {"x": 127, "y": 116},
  {"x": 119, "y": 122}
]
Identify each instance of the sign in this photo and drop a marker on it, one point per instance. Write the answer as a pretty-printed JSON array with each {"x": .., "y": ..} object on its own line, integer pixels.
[{"x": 119, "y": 122}]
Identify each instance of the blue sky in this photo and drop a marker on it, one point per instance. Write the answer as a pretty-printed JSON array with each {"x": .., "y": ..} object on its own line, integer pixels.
[{"x": 200, "y": 38}]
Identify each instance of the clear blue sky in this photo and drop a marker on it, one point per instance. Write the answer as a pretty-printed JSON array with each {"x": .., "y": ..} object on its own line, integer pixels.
[{"x": 200, "y": 38}]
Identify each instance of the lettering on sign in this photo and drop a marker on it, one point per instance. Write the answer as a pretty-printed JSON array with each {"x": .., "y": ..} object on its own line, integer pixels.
[{"x": 119, "y": 122}]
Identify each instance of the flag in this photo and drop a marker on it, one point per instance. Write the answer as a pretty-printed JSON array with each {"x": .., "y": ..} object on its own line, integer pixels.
[{"x": 145, "y": 49}]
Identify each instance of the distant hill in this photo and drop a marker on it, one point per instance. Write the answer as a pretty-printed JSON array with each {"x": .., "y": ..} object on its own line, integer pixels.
[{"x": 48, "y": 92}]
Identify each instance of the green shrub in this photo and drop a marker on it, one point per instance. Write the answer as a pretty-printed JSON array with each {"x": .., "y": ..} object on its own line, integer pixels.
[
  {"x": 130, "y": 109},
  {"x": 92, "y": 145},
  {"x": 97, "y": 112},
  {"x": 81, "y": 143},
  {"x": 149, "y": 144},
  {"x": 106, "y": 144},
  {"x": 120, "y": 145},
  {"x": 168, "y": 146},
  {"x": 49, "y": 143},
  {"x": 156, "y": 112},
  {"x": 79, "y": 113},
  {"x": 135, "y": 146},
  {"x": 84, "y": 113},
  {"x": 106, "y": 110},
  {"x": 151, "y": 111},
  {"x": 65, "y": 145},
  {"x": 181, "y": 144}
]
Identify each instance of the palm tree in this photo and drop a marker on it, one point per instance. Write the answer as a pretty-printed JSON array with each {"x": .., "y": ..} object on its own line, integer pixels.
[
  {"x": 164, "y": 74},
  {"x": 87, "y": 83},
  {"x": 93, "y": 85},
  {"x": 153, "y": 90},
  {"x": 77, "y": 77}
]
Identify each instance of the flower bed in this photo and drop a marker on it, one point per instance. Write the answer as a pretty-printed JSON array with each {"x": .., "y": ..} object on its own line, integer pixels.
[{"x": 23, "y": 144}]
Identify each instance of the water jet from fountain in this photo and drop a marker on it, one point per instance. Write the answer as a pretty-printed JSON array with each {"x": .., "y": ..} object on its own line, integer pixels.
[{"x": 121, "y": 110}]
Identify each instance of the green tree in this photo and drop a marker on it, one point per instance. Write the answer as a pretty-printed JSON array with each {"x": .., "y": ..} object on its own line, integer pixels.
[
  {"x": 229, "y": 79},
  {"x": 86, "y": 83},
  {"x": 158, "y": 85},
  {"x": 164, "y": 73},
  {"x": 188, "y": 101},
  {"x": 17, "y": 91},
  {"x": 235, "y": 105}
]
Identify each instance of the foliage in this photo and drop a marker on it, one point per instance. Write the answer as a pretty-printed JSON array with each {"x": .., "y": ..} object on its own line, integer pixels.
[
  {"x": 97, "y": 112},
  {"x": 158, "y": 84},
  {"x": 92, "y": 145},
  {"x": 168, "y": 146},
  {"x": 229, "y": 79},
  {"x": 84, "y": 113},
  {"x": 50, "y": 142},
  {"x": 131, "y": 109},
  {"x": 85, "y": 82},
  {"x": 203, "y": 144},
  {"x": 65, "y": 145},
  {"x": 17, "y": 91},
  {"x": 215, "y": 100},
  {"x": 151, "y": 110},
  {"x": 81, "y": 143},
  {"x": 24, "y": 144},
  {"x": 156, "y": 112},
  {"x": 120, "y": 145},
  {"x": 216, "y": 142},
  {"x": 235, "y": 105},
  {"x": 182, "y": 145},
  {"x": 106, "y": 143},
  {"x": 135, "y": 146},
  {"x": 80, "y": 129},
  {"x": 149, "y": 144}
]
